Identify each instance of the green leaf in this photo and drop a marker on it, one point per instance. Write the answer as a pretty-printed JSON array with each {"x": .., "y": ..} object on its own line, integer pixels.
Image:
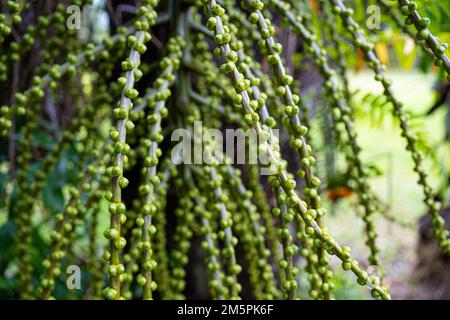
[{"x": 53, "y": 198}]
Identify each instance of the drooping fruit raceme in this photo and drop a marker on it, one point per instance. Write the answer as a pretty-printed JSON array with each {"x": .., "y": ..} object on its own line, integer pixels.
[{"x": 112, "y": 108}]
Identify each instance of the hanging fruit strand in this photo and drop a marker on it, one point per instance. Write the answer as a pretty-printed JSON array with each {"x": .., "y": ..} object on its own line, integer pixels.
[
  {"x": 360, "y": 41},
  {"x": 222, "y": 38},
  {"x": 409, "y": 9}
]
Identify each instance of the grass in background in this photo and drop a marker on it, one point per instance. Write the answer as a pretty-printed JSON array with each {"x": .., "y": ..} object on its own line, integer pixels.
[{"x": 382, "y": 145}]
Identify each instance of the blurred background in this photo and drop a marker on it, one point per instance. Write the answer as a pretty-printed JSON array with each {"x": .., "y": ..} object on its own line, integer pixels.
[{"x": 413, "y": 267}]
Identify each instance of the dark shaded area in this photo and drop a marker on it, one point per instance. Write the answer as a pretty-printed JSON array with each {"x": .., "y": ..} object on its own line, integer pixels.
[{"x": 432, "y": 272}]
